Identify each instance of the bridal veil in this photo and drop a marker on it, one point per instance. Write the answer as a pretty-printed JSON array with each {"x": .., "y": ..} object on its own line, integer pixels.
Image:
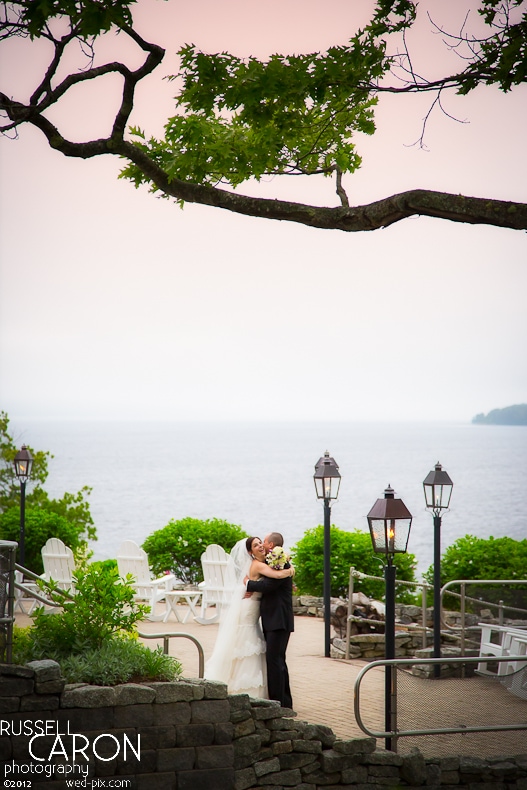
[{"x": 219, "y": 665}]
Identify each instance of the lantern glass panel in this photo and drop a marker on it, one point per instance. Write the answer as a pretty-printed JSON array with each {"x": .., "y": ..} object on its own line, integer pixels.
[{"x": 390, "y": 536}]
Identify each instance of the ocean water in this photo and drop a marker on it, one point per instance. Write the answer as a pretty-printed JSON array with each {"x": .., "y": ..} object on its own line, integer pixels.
[{"x": 260, "y": 475}]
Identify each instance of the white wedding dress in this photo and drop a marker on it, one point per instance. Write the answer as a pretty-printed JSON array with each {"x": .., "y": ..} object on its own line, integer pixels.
[
  {"x": 238, "y": 658},
  {"x": 248, "y": 673}
]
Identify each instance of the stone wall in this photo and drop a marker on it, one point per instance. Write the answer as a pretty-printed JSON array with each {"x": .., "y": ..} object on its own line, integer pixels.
[{"x": 192, "y": 735}]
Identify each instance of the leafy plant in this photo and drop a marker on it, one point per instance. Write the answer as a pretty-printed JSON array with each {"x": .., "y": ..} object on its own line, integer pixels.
[
  {"x": 119, "y": 661},
  {"x": 347, "y": 549},
  {"x": 103, "y": 608},
  {"x": 471, "y": 557},
  {"x": 93, "y": 638},
  {"x": 178, "y": 546}
]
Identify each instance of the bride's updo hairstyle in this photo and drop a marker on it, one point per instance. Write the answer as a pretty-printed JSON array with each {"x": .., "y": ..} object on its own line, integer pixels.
[{"x": 249, "y": 543}]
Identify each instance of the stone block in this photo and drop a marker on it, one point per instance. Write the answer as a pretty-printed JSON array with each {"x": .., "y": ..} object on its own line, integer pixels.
[
  {"x": 39, "y": 702},
  {"x": 296, "y": 760},
  {"x": 9, "y": 704},
  {"x": 194, "y": 734},
  {"x": 244, "y": 779},
  {"x": 214, "y": 757},
  {"x": 381, "y": 757},
  {"x": 134, "y": 715},
  {"x": 45, "y": 670},
  {"x": 245, "y": 727},
  {"x": 217, "y": 779},
  {"x": 265, "y": 713},
  {"x": 88, "y": 697},
  {"x": 282, "y": 747},
  {"x": 134, "y": 694},
  {"x": 413, "y": 769},
  {"x": 264, "y": 767},
  {"x": 319, "y": 778},
  {"x": 79, "y": 720},
  {"x": 284, "y": 735},
  {"x": 172, "y": 713},
  {"x": 15, "y": 671},
  {"x": 319, "y": 732},
  {"x": 356, "y": 775},
  {"x": 176, "y": 759},
  {"x": 209, "y": 711},
  {"x": 206, "y": 689},
  {"x": 308, "y": 747},
  {"x": 249, "y": 745},
  {"x": 331, "y": 761},
  {"x": 355, "y": 746},
  {"x": 155, "y": 781},
  {"x": 287, "y": 723},
  {"x": 223, "y": 733},
  {"x": 174, "y": 691},
  {"x": 284, "y": 778},
  {"x": 147, "y": 763},
  {"x": 5, "y": 748},
  {"x": 16, "y": 686},
  {"x": 161, "y": 737},
  {"x": 50, "y": 686}
]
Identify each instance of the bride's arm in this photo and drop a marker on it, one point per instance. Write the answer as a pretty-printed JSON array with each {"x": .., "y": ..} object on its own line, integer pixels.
[{"x": 262, "y": 569}]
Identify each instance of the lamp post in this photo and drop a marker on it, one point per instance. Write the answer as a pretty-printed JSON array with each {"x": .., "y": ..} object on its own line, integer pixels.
[
  {"x": 389, "y": 521},
  {"x": 327, "y": 482},
  {"x": 438, "y": 490},
  {"x": 23, "y": 462}
]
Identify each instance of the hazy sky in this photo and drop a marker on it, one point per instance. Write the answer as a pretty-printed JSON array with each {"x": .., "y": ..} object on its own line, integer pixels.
[{"x": 116, "y": 304}]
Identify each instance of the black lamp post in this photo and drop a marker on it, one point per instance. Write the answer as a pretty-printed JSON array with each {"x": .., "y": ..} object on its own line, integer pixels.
[
  {"x": 438, "y": 490},
  {"x": 23, "y": 462},
  {"x": 327, "y": 482},
  {"x": 389, "y": 521}
]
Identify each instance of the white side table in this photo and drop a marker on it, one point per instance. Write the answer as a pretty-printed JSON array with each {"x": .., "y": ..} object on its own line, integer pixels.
[{"x": 173, "y": 597}]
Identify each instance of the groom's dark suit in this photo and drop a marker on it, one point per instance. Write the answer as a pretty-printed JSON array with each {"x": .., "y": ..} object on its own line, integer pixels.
[{"x": 277, "y": 622}]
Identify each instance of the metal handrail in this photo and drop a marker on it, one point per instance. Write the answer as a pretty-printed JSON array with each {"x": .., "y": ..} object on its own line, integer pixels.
[
  {"x": 398, "y": 662},
  {"x": 169, "y": 635}
]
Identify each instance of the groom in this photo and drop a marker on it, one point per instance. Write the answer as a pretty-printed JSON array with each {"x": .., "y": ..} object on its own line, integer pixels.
[{"x": 277, "y": 622}]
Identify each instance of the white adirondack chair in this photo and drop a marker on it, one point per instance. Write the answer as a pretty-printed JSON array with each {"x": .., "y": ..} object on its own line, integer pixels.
[
  {"x": 24, "y": 594},
  {"x": 214, "y": 563},
  {"x": 134, "y": 560},
  {"x": 59, "y": 564}
]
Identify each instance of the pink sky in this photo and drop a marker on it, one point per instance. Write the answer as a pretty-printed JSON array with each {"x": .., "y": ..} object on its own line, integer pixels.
[{"x": 116, "y": 304}]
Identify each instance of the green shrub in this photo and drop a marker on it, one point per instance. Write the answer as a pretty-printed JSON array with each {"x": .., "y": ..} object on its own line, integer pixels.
[
  {"x": 178, "y": 546},
  {"x": 347, "y": 549},
  {"x": 471, "y": 557},
  {"x": 93, "y": 638},
  {"x": 120, "y": 660},
  {"x": 103, "y": 607},
  {"x": 40, "y": 524}
]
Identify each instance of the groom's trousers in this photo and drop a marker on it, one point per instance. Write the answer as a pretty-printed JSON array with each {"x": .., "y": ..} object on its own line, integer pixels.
[{"x": 277, "y": 672}]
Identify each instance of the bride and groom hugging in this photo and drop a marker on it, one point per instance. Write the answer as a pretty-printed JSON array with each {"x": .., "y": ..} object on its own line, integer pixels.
[{"x": 248, "y": 656}]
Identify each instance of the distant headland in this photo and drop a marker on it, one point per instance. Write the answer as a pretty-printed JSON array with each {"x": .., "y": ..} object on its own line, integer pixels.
[{"x": 510, "y": 415}]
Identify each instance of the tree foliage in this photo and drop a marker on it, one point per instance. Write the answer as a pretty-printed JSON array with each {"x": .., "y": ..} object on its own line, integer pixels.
[
  {"x": 295, "y": 115},
  {"x": 471, "y": 557},
  {"x": 348, "y": 549},
  {"x": 68, "y": 518},
  {"x": 178, "y": 546}
]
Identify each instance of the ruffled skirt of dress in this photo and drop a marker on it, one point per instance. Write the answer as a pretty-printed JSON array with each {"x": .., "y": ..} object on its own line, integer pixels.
[{"x": 248, "y": 671}]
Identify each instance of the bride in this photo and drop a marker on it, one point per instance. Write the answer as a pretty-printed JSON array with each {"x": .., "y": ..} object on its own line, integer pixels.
[{"x": 238, "y": 658}]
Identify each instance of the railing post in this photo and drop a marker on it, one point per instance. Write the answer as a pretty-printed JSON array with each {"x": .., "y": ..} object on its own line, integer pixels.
[
  {"x": 463, "y": 602},
  {"x": 423, "y": 605},
  {"x": 500, "y": 612},
  {"x": 350, "y": 611}
]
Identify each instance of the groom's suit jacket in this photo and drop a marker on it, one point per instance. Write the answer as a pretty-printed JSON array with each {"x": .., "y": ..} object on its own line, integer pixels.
[{"x": 276, "y": 608}]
